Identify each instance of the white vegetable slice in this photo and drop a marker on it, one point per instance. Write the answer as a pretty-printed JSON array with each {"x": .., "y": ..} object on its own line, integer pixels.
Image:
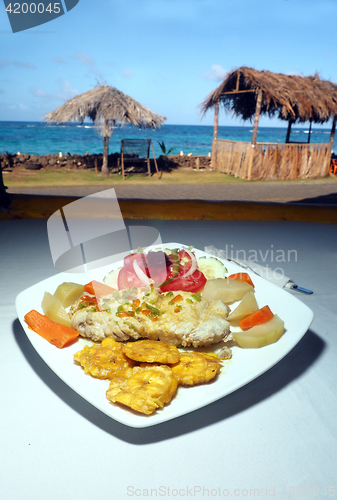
[
  {"x": 53, "y": 308},
  {"x": 261, "y": 335},
  {"x": 68, "y": 292},
  {"x": 212, "y": 267},
  {"x": 111, "y": 279},
  {"x": 228, "y": 291},
  {"x": 247, "y": 305}
]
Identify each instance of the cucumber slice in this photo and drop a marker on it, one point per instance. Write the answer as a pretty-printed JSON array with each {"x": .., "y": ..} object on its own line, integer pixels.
[
  {"x": 212, "y": 267},
  {"x": 111, "y": 279}
]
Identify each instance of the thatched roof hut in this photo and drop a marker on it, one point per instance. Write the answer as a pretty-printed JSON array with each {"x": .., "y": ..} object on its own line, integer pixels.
[
  {"x": 287, "y": 97},
  {"x": 248, "y": 93},
  {"x": 107, "y": 107}
]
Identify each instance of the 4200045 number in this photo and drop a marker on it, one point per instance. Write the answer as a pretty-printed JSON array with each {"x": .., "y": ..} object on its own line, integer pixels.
[
  {"x": 308, "y": 491},
  {"x": 34, "y": 8}
]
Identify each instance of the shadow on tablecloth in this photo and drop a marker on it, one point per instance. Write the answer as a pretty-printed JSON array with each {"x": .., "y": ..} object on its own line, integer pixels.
[{"x": 293, "y": 366}]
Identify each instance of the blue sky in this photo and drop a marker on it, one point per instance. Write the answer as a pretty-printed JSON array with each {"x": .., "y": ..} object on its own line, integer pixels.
[{"x": 167, "y": 54}]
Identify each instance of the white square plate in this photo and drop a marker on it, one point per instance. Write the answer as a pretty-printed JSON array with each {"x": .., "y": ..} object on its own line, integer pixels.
[{"x": 245, "y": 365}]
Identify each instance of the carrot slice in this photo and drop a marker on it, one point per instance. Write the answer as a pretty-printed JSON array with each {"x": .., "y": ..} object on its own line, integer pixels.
[
  {"x": 256, "y": 318},
  {"x": 57, "y": 334},
  {"x": 98, "y": 289},
  {"x": 241, "y": 277}
]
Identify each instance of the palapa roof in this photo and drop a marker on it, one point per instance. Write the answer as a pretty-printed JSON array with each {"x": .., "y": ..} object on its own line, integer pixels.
[
  {"x": 105, "y": 103},
  {"x": 288, "y": 97}
]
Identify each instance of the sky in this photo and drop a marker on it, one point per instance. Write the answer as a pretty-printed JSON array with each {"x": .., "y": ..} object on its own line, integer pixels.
[{"x": 167, "y": 54}]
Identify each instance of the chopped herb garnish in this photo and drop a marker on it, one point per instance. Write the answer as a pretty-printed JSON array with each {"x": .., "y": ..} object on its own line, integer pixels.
[
  {"x": 154, "y": 310},
  {"x": 196, "y": 296},
  {"x": 190, "y": 301},
  {"x": 169, "y": 294}
]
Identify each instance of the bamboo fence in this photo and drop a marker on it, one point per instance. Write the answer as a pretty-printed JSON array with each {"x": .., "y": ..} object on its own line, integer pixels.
[{"x": 272, "y": 161}]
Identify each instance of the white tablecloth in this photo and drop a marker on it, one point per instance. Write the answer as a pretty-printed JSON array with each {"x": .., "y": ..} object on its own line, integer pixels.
[{"x": 277, "y": 436}]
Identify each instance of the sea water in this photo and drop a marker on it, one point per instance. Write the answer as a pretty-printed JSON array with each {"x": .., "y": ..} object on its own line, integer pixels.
[{"x": 74, "y": 138}]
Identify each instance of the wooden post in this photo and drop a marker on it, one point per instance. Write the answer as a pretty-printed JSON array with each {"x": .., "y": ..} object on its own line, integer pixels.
[
  {"x": 5, "y": 199},
  {"x": 122, "y": 159},
  {"x": 257, "y": 117},
  {"x": 155, "y": 161},
  {"x": 288, "y": 131},
  {"x": 332, "y": 137},
  {"x": 332, "y": 134},
  {"x": 254, "y": 136},
  {"x": 309, "y": 131},
  {"x": 237, "y": 81},
  {"x": 215, "y": 135},
  {"x": 105, "y": 169},
  {"x": 197, "y": 163}
]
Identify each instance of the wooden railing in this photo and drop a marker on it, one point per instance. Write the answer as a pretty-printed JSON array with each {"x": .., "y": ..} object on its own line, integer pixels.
[{"x": 268, "y": 161}]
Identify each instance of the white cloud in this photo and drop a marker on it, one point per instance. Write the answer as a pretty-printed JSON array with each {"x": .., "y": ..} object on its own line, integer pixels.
[
  {"x": 21, "y": 106},
  {"x": 66, "y": 92},
  {"x": 59, "y": 60},
  {"x": 39, "y": 93},
  {"x": 89, "y": 62},
  {"x": 17, "y": 64},
  {"x": 84, "y": 58},
  {"x": 216, "y": 72},
  {"x": 126, "y": 73}
]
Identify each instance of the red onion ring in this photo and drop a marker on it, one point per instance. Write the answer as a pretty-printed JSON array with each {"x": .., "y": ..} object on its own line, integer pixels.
[
  {"x": 194, "y": 264},
  {"x": 141, "y": 275}
]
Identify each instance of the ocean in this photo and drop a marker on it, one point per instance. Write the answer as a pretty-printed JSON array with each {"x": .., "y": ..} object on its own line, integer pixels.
[{"x": 39, "y": 138}]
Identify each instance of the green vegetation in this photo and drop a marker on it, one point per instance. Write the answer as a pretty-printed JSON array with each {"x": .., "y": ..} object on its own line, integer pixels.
[
  {"x": 31, "y": 178},
  {"x": 163, "y": 149}
]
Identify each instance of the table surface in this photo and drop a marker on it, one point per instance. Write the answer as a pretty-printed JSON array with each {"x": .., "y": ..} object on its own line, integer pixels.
[{"x": 276, "y": 436}]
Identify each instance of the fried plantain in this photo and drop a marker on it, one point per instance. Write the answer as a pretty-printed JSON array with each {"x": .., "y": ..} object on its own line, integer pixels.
[
  {"x": 147, "y": 389},
  {"x": 151, "y": 351},
  {"x": 104, "y": 361},
  {"x": 195, "y": 368}
]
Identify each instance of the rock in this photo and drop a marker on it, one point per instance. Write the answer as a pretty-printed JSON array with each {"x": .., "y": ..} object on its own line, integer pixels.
[
  {"x": 33, "y": 166},
  {"x": 52, "y": 162},
  {"x": 43, "y": 161}
]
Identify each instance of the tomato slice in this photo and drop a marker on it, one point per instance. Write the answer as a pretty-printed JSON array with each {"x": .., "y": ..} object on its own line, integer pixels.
[
  {"x": 185, "y": 261},
  {"x": 171, "y": 276},
  {"x": 157, "y": 265},
  {"x": 192, "y": 283},
  {"x": 139, "y": 257},
  {"x": 128, "y": 279}
]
